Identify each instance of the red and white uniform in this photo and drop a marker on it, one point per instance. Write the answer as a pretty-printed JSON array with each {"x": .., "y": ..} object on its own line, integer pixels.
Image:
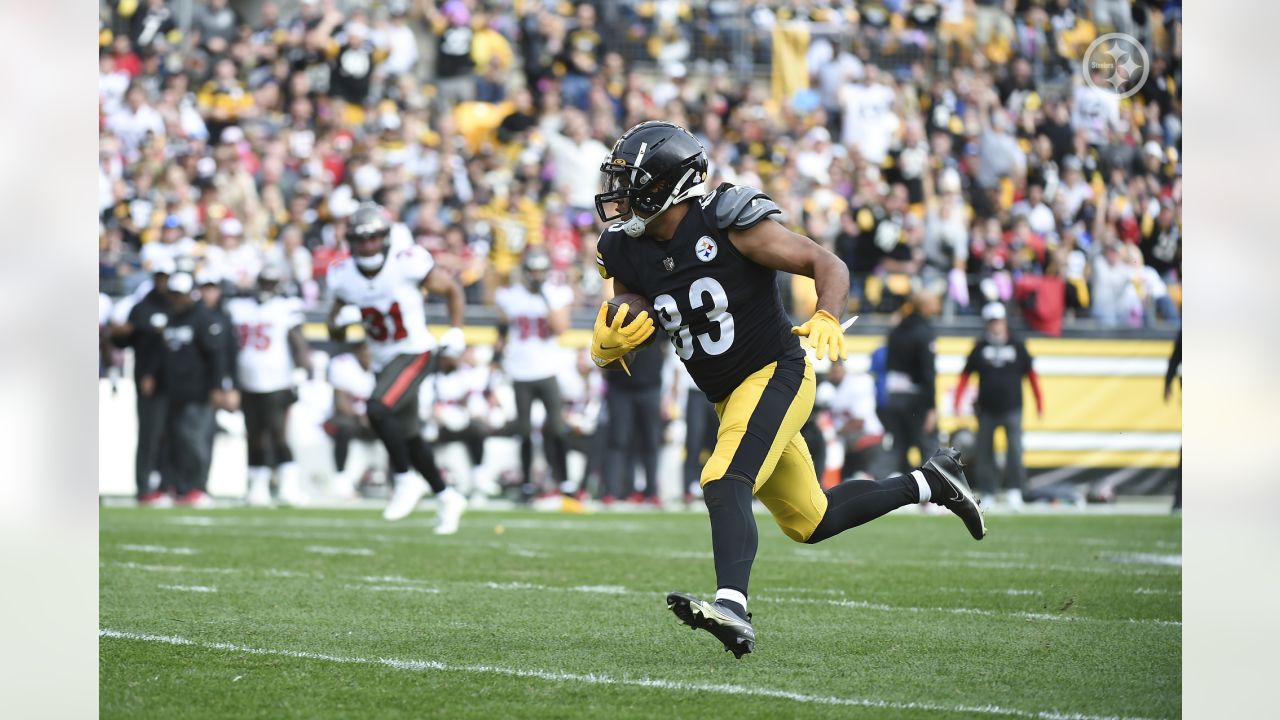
[
  {"x": 347, "y": 375},
  {"x": 391, "y": 302},
  {"x": 532, "y": 352},
  {"x": 264, "y": 363}
]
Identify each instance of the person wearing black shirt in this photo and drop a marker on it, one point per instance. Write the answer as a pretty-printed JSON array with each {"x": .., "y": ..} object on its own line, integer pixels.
[
  {"x": 1000, "y": 363},
  {"x": 911, "y": 417},
  {"x": 1162, "y": 242},
  {"x": 634, "y": 407},
  {"x": 144, "y": 332},
  {"x": 1175, "y": 370},
  {"x": 198, "y": 377}
]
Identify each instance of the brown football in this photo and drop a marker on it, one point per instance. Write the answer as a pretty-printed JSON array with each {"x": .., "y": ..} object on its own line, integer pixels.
[{"x": 636, "y": 304}]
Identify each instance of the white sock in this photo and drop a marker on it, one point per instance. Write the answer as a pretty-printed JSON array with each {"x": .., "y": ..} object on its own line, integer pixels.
[
  {"x": 259, "y": 473},
  {"x": 402, "y": 477},
  {"x": 925, "y": 492},
  {"x": 290, "y": 473},
  {"x": 731, "y": 595}
]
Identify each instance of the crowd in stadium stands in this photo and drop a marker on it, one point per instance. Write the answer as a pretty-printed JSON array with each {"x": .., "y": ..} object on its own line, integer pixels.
[{"x": 941, "y": 142}]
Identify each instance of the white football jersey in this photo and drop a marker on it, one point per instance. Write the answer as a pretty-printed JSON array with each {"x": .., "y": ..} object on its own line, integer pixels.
[
  {"x": 532, "y": 352},
  {"x": 391, "y": 302},
  {"x": 346, "y": 374},
  {"x": 264, "y": 363}
]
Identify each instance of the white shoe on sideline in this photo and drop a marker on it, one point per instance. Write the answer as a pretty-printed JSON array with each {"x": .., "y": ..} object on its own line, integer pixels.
[
  {"x": 1013, "y": 498},
  {"x": 987, "y": 504},
  {"x": 451, "y": 505},
  {"x": 409, "y": 490},
  {"x": 291, "y": 492},
  {"x": 259, "y": 494}
]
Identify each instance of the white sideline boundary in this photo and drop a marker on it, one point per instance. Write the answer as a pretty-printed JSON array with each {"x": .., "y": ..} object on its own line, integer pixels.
[
  {"x": 601, "y": 679},
  {"x": 393, "y": 583}
]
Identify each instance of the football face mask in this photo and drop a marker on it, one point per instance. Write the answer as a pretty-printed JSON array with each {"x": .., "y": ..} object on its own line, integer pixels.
[{"x": 621, "y": 182}]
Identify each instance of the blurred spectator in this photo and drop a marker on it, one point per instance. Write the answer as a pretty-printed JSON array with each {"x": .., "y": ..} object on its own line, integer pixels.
[
  {"x": 1000, "y": 362},
  {"x": 141, "y": 326},
  {"x": 910, "y": 416},
  {"x": 582, "y": 388},
  {"x": 634, "y": 406},
  {"x": 198, "y": 380},
  {"x": 850, "y": 398}
]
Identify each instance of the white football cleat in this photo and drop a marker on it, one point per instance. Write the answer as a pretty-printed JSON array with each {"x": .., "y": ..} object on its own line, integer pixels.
[
  {"x": 291, "y": 492},
  {"x": 1013, "y": 498},
  {"x": 409, "y": 490},
  {"x": 451, "y": 505}
]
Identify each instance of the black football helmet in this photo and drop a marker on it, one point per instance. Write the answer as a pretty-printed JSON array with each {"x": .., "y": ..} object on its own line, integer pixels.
[
  {"x": 653, "y": 166},
  {"x": 368, "y": 222}
]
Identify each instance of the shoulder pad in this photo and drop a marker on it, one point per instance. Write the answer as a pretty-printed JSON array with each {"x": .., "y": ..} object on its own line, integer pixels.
[{"x": 740, "y": 207}]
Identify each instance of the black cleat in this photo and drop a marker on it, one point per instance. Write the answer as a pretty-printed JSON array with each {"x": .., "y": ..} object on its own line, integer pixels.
[
  {"x": 729, "y": 628},
  {"x": 945, "y": 466}
]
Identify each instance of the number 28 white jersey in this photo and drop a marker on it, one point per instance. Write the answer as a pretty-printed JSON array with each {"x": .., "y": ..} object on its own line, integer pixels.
[
  {"x": 264, "y": 363},
  {"x": 391, "y": 302}
]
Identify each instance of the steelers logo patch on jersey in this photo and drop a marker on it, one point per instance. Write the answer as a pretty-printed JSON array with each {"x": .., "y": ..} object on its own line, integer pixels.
[{"x": 706, "y": 249}]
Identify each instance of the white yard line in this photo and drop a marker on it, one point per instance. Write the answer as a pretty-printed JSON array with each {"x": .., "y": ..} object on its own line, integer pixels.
[
  {"x": 602, "y": 679},
  {"x": 1144, "y": 559},
  {"x": 392, "y": 582},
  {"x": 158, "y": 549},
  {"x": 327, "y": 550},
  {"x": 394, "y": 588},
  {"x": 189, "y": 588}
]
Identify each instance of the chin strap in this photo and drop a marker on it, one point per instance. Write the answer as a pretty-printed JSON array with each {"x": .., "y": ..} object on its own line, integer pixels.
[{"x": 636, "y": 225}]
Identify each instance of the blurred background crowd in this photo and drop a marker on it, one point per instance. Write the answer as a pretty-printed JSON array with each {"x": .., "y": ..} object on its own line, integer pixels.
[{"x": 950, "y": 144}]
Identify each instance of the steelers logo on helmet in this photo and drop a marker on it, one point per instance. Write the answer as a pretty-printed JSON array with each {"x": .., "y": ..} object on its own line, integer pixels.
[{"x": 653, "y": 166}]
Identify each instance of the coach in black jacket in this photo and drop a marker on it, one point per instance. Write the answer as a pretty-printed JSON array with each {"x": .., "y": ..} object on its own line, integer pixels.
[{"x": 199, "y": 380}]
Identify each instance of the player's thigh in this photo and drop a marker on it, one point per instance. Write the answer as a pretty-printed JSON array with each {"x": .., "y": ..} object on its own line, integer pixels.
[
  {"x": 758, "y": 420},
  {"x": 398, "y": 383},
  {"x": 254, "y": 405},
  {"x": 792, "y": 493}
]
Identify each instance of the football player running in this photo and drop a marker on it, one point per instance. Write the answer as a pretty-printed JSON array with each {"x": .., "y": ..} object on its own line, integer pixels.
[
  {"x": 382, "y": 286},
  {"x": 707, "y": 260}
]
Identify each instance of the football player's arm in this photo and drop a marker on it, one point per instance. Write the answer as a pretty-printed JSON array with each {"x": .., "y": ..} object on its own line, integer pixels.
[
  {"x": 770, "y": 244},
  {"x": 300, "y": 350},
  {"x": 337, "y": 330},
  {"x": 441, "y": 284},
  {"x": 557, "y": 315},
  {"x": 504, "y": 326}
]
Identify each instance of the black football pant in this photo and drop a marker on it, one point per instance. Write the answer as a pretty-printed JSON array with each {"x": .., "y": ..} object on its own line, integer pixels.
[
  {"x": 546, "y": 391},
  {"x": 152, "y": 412},
  {"x": 635, "y": 429},
  {"x": 187, "y": 444},
  {"x": 265, "y": 415},
  {"x": 393, "y": 413}
]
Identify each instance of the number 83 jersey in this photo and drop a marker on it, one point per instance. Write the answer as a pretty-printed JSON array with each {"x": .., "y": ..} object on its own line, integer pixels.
[
  {"x": 390, "y": 302},
  {"x": 722, "y": 311}
]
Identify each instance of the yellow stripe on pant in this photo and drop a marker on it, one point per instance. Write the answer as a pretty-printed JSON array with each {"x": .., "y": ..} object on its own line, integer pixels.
[{"x": 759, "y": 441}]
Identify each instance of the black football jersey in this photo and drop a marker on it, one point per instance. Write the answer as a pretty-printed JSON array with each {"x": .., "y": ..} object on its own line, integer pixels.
[{"x": 722, "y": 312}]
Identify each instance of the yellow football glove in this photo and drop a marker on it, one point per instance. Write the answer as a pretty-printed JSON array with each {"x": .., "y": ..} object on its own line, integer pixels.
[
  {"x": 610, "y": 342},
  {"x": 825, "y": 335}
]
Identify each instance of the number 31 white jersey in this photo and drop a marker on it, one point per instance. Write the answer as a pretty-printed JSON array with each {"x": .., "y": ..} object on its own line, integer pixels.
[
  {"x": 264, "y": 363},
  {"x": 391, "y": 302}
]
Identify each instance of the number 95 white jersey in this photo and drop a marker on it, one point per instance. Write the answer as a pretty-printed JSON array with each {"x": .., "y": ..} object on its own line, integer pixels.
[{"x": 391, "y": 302}]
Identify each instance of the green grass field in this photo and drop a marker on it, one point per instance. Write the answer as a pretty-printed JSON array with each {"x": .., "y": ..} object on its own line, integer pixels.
[{"x": 296, "y": 613}]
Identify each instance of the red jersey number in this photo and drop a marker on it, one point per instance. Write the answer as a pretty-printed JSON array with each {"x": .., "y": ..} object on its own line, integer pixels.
[
  {"x": 375, "y": 323},
  {"x": 256, "y": 335}
]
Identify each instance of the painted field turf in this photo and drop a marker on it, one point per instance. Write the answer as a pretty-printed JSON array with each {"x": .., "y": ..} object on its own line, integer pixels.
[{"x": 287, "y": 613}]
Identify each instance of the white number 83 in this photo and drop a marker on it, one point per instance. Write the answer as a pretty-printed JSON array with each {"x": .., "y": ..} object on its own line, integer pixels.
[{"x": 673, "y": 322}]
